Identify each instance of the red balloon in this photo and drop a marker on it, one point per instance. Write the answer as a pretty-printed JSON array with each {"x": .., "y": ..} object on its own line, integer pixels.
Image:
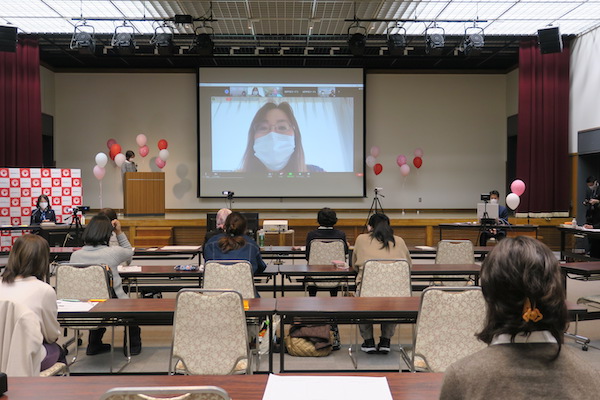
[
  {"x": 162, "y": 144},
  {"x": 377, "y": 168},
  {"x": 114, "y": 150},
  {"x": 110, "y": 143},
  {"x": 418, "y": 161}
]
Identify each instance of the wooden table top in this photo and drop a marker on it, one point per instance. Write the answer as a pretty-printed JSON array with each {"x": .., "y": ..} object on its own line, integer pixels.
[
  {"x": 305, "y": 269},
  {"x": 417, "y": 269},
  {"x": 582, "y": 268},
  {"x": 408, "y": 306},
  {"x": 405, "y": 386}
]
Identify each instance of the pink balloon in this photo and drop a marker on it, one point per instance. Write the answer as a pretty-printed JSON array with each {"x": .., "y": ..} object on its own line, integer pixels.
[
  {"x": 110, "y": 143},
  {"x": 418, "y": 152},
  {"x": 144, "y": 150},
  {"x": 375, "y": 151},
  {"x": 404, "y": 169},
  {"x": 160, "y": 163},
  {"x": 401, "y": 160},
  {"x": 99, "y": 172},
  {"x": 141, "y": 140},
  {"x": 517, "y": 187}
]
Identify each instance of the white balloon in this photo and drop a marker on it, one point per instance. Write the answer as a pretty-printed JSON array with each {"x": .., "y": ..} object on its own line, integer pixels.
[
  {"x": 141, "y": 140},
  {"x": 512, "y": 201},
  {"x": 370, "y": 161},
  {"x": 120, "y": 159},
  {"x": 101, "y": 160},
  {"x": 163, "y": 154}
]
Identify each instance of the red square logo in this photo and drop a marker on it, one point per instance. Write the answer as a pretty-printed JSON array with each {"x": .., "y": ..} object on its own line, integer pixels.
[
  {"x": 15, "y": 202},
  {"x": 66, "y": 191},
  {"x": 56, "y": 201},
  {"x": 4, "y": 192},
  {"x": 6, "y": 248},
  {"x": 25, "y": 192},
  {"x": 66, "y": 210},
  {"x": 47, "y": 191},
  {"x": 66, "y": 173},
  {"x": 15, "y": 182},
  {"x": 15, "y": 220},
  {"x": 36, "y": 182},
  {"x": 25, "y": 211},
  {"x": 77, "y": 182},
  {"x": 3, "y": 172},
  {"x": 45, "y": 173},
  {"x": 59, "y": 218},
  {"x": 4, "y": 212},
  {"x": 76, "y": 201},
  {"x": 56, "y": 182},
  {"x": 25, "y": 173}
]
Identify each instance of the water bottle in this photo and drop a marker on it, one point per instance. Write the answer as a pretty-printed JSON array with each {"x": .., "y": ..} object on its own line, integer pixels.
[
  {"x": 574, "y": 222},
  {"x": 261, "y": 238}
]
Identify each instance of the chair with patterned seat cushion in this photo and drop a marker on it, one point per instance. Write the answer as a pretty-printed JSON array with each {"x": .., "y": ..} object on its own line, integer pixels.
[
  {"x": 83, "y": 282},
  {"x": 230, "y": 274},
  {"x": 454, "y": 252},
  {"x": 386, "y": 278},
  {"x": 157, "y": 393},
  {"x": 323, "y": 252},
  {"x": 449, "y": 318},
  {"x": 21, "y": 351},
  {"x": 209, "y": 333}
]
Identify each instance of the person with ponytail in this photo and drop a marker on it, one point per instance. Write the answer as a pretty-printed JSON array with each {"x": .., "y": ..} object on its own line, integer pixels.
[
  {"x": 526, "y": 318},
  {"x": 234, "y": 244},
  {"x": 379, "y": 243}
]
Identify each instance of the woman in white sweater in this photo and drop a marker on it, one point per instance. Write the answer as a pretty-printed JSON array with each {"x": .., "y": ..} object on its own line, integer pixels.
[
  {"x": 96, "y": 250},
  {"x": 23, "y": 281}
]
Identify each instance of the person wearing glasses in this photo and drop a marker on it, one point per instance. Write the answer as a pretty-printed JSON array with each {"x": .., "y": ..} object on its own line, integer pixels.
[{"x": 275, "y": 143}]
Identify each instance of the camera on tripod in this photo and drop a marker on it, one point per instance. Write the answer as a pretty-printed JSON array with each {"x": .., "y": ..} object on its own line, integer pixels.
[
  {"x": 378, "y": 189},
  {"x": 75, "y": 210},
  {"x": 485, "y": 197}
]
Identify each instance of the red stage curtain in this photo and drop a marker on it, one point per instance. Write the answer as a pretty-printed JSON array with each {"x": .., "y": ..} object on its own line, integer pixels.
[
  {"x": 543, "y": 136},
  {"x": 20, "y": 106}
]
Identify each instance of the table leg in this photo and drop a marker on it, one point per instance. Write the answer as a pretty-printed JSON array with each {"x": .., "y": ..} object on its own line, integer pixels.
[
  {"x": 562, "y": 244},
  {"x": 281, "y": 343}
]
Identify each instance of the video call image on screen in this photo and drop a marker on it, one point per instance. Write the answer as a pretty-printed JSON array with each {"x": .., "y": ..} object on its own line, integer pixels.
[{"x": 292, "y": 133}]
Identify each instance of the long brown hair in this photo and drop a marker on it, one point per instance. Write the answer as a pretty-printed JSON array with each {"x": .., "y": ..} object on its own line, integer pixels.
[
  {"x": 518, "y": 269},
  {"x": 235, "y": 229},
  {"x": 28, "y": 257},
  {"x": 296, "y": 162}
]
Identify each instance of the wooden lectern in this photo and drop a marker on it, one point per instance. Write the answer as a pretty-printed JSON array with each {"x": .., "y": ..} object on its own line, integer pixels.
[{"x": 144, "y": 193}]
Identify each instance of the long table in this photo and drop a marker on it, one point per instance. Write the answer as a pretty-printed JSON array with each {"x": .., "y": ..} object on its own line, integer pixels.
[
  {"x": 511, "y": 230},
  {"x": 240, "y": 387},
  {"x": 171, "y": 252},
  {"x": 564, "y": 231}
]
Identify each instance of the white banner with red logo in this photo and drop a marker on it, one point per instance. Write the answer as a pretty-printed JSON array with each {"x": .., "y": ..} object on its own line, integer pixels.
[{"x": 20, "y": 188}]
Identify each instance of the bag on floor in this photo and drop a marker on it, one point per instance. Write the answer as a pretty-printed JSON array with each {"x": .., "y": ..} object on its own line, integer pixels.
[{"x": 309, "y": 340}]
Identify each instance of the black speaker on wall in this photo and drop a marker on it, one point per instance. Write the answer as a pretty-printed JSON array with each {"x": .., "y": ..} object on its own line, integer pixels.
[
  {"x": 549, "y": 40},
  {"x": 8, "y": 38}
]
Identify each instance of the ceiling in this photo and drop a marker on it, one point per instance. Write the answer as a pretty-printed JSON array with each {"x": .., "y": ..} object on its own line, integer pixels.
[{"x": 296, "y": 33}]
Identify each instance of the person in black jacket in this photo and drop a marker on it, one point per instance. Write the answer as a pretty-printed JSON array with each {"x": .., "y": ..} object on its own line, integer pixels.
[
  {"x": 42, "y": 211},
  {"x": 592, "y": 213}
]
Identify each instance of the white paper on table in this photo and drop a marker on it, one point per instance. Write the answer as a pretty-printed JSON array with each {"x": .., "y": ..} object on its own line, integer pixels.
[
  {"x": 69, "y": 305},
  {"x": 129, "y": 268},
  {"x": 425, "y": 247},
  {"x": 590, "y": 230},
  {"x": 326, "y": 388},
  {"x": 183, "y": 248}
]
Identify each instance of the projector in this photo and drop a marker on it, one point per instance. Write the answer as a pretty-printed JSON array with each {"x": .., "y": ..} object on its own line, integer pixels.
[{"x": 276, "y": 225}]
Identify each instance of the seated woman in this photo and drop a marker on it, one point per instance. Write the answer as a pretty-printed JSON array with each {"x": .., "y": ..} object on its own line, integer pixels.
[
  {"x": 379, "y": 243},
  {"x": 234, "y": 244},
  {"x": 23, "y": 281},
  {"x": 525, "y": 324},
  {"x": 326, "y": 218},
  {"x": 96, "y": 250},
  {"x": 42, "y": 212}
]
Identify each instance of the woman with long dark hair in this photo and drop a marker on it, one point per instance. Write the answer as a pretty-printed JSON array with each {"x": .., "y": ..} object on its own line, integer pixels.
[
  {"x": 379, "y": 243},
  {"x": 274, "y": 142},
  {"x": 234, "y": 244},
  {"x": 524, "y": 328},
  {"x": 43, "y": 211}
]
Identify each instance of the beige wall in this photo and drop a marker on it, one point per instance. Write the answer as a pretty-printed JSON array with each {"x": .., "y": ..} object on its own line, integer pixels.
[
  {"x": 48, "y": 92},
  {"x": 458, "y": 120},
  {"x": 512, "y": 93}
]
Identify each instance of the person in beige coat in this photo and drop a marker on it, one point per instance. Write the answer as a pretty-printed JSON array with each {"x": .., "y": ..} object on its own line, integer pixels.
[
  {"x": 525, "y": 324},
  {"x": 379, "y": 243},
  {"x": 23, "y": 282}
]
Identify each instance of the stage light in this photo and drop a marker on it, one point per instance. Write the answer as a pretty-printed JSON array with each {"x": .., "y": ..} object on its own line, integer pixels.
[
  {"x": 434, "y": 40},
  {"x": 123, "y": 39},
  {"x": 163, "y": 40},
  {"x": 357, "y": 44},
  {"x": 203, "y": 45},
  {"x": 473, "y": 41},
  {"x": 396, "y": 42},
  {"x": 83, "y": 39}
]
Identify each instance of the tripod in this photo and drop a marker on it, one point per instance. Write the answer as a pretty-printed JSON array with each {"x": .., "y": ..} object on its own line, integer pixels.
[
  {"x": 75, "y": 219},
  {"x": 376, "y": 207}
]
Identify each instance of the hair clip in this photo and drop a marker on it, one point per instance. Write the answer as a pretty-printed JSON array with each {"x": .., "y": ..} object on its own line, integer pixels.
[{"x": 531, "y": 314}]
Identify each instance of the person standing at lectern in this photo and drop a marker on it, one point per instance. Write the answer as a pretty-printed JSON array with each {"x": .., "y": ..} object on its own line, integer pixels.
[
  {"x": 592, "y": 213},
  {"x": 129, "y": 165},
  {"x": 42, "y": 211}
]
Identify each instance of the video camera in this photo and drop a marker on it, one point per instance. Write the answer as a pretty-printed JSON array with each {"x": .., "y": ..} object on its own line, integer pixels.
[
  {"x": 75, "y": 210},
  {"x": 485, "y": 197}
]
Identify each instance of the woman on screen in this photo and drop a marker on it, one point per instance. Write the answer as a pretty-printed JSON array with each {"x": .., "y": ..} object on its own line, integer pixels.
[{"x": 275, "y": 143}]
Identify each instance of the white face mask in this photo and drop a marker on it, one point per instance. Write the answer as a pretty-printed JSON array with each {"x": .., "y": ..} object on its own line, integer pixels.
[
  {"x": 274, "y": 150},
  {"x": 494, "y": 201},
  {"x": 43, "y": 205}
]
